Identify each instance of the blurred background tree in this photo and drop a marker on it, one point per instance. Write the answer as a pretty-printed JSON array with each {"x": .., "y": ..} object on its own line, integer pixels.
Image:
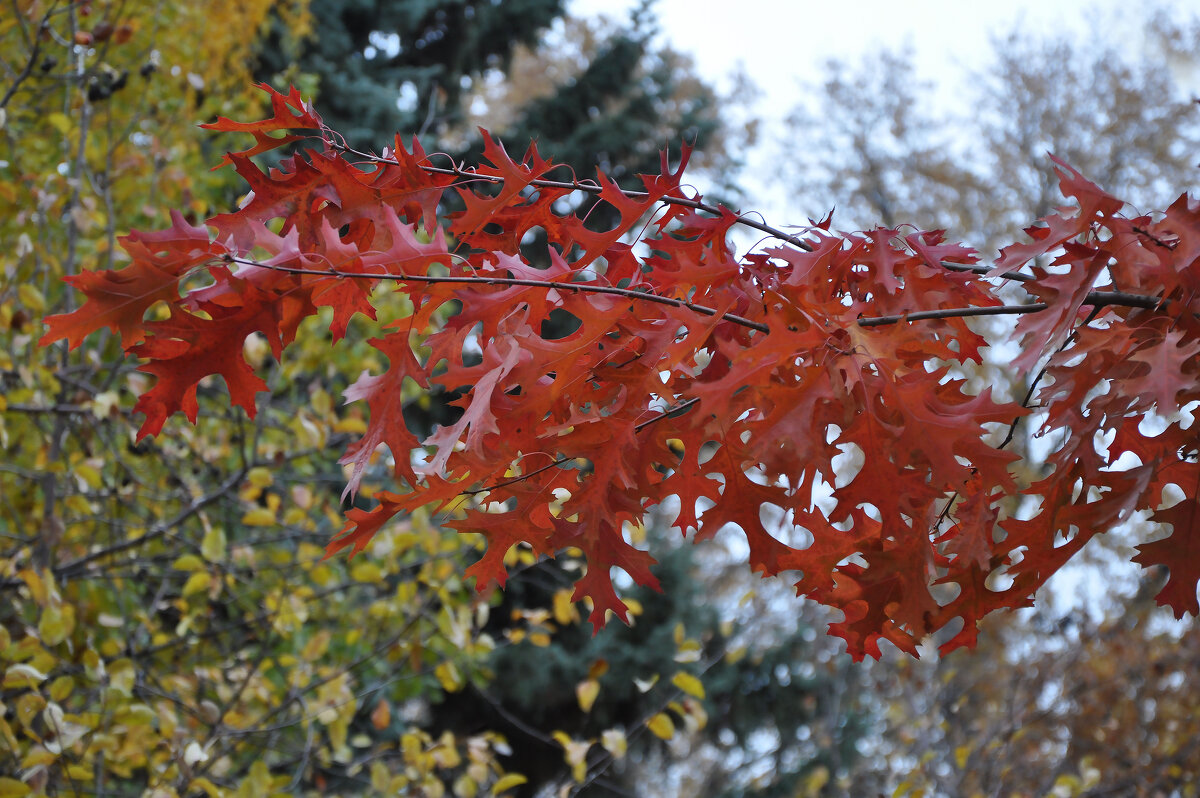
[
  {"x": 872, "y": 143},
  {"x": 1089, "y": 698}
]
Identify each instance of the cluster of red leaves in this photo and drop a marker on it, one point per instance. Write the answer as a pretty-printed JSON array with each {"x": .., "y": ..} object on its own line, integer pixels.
[{"x": 805, "y": 393}]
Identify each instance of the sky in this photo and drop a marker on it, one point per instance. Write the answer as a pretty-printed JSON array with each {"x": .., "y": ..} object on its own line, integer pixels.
[{"x": 781, "y": 44}]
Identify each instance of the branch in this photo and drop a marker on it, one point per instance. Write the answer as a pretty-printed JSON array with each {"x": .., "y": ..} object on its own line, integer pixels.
[
  {"x": 628, "y": 293},
  {"x": 75, "y": 567},
  {"x": 33, "y": 55},
  {"x": 587, "y": 186},
  {"x": 1093, "y": 299},
  {"x": 591, "y": 187}
]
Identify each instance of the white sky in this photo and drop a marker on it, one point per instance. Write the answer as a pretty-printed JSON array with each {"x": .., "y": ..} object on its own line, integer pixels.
[{"x": 780, "y": 44}]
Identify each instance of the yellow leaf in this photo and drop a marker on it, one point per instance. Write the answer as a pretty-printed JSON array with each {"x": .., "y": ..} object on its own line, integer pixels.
[
  {"x": 60, "y": 122},
  {"x": 816, "y": 780},
  {"x": 11, "y": 788},
  {"x": 197, "y": 583},
  {"x": 465, "y": 786},
  {"x": 61, "y": 687},
  {"x": 315, "y": 648},
  {"x": 586, "y": 692},
  {"x": 366, "y": 571},
  {"x": 89, "y": 474},
  {"x": 574, "y": 752},
  {"x": 78, "y": 504},
  {"x": 661, "y": 726},
  {"x": 31, "y": 297},
  {"x": 189, "y": 562},
  {"x": 354, "y": 425},
  {"x": 960, "y": 756},
  {"x": 210, "y": 789},
  {"x": 37, "y": 756},
  {"x": 689, "y": 651},
  {"x": 136, "y": 715},
  {"x": 56, "y": 624},
  {"x": 259, "y": 516},
  {"x": 37, "y": 588},
  {"x": 448, "y": 676},
  {"x": 614, "y": 742},
  {"x": 259, "y": 476},
  {"x": 81, "y": 772},
  {"x": 22, "y": 675},
  {"x": 212, "y": 547},
  {"x": 688, "y": 684},
  {"x": 564, "y": 609},
  {"x": 507, "y": 782}
]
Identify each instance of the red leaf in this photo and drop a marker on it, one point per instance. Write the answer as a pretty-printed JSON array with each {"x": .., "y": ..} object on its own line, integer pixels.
[{"x": 813, "y": 399}]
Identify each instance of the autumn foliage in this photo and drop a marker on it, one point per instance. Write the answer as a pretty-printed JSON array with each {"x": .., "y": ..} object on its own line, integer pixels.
[{"x": 813, "y": 393}]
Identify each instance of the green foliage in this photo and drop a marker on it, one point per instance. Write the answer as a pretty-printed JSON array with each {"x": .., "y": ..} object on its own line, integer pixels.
[
  {"x": 167, "y": 624},
  {"x": 367, "y": 54}
]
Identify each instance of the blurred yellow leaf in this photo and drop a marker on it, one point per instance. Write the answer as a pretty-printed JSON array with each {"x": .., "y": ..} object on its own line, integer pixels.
[
  {"x": 37, "y": 756},
  {"x": 565, "y": 611},
  {"x": 448, "y": 676},
  {"x": 56, "y": 624},
  {"x": 259, "y": 516},
  {"x": 89, "y": 474},
  {"x": 212, "y": 547},
  {"x": 661, "y": 726},
  {"x": 11, "y": 788},
  {"x": 210, "y": 789},
  {"x": 23, "y": 675},
  {"x": 37, "y": 588},
  {"x": 189, "y": 562},
  {"x": 60, "y": 122},
  {"x": 197, "y": 583},
  {"x": 688, "y": 684},
  {"x": 613, "y": 741},
  {"x": 586, "y": 692},
  {"x": 366, "y": 571},
  {"x": 61, "y": 687},
  {"x": 574, "y": 753},
  {"x": 507, "y": 782},
  {"x": 259, "y": 476},
  {"x": 31, "y": 297}
]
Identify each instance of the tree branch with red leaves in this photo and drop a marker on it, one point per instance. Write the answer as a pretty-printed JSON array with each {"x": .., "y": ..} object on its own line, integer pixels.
[{"x": 737, "y": 389}]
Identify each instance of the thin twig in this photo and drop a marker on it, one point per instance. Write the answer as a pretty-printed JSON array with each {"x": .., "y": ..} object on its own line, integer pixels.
[
  {"x": 75, "y": 567},
  {"x": 1093, "y": 299},
  {"x": 591, "y": 187},
  {"x": 627, "y": 293},
  {"x": 34, "y": 51}
]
